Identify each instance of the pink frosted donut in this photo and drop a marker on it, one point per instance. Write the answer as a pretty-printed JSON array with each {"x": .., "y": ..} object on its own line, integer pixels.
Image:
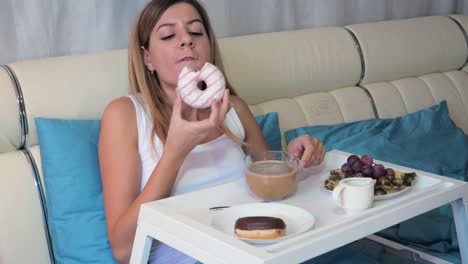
[{"x": 192, "y": 95}]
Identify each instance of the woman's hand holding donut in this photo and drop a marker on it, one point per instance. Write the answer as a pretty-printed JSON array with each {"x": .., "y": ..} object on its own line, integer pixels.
[
  {"x": 309, "y": 150},
  {"x": 185, "y": 131}
]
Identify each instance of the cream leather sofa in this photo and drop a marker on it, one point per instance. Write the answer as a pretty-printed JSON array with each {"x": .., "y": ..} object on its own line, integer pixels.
[{"x": 318, "y": 76}]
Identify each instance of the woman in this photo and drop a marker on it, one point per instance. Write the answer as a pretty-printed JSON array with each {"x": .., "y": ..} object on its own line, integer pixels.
[{"x": 152, "y": 145}]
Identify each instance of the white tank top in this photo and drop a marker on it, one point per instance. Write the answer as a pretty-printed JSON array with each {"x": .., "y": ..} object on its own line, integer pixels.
[{"x": 215, "y": 162}]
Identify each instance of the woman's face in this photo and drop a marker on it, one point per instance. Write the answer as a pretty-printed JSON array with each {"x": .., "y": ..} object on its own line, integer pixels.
[{"x": 178, "y": 39}]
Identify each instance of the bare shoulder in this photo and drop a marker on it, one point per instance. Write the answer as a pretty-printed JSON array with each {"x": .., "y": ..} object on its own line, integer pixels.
[
  {"x": 122, "y": 106},
  {"x": 119, "y": 118}
]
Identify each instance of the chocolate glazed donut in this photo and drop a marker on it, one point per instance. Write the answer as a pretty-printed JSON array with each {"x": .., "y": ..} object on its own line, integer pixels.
[{"x": 260, "y": 227}]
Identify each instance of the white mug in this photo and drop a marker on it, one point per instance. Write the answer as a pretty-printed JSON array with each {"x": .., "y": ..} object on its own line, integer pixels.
[{"x": 354, "y": 194}]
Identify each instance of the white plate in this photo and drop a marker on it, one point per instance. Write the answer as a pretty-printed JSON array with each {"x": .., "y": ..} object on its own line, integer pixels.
[
  {"x": 376, "y": 197},
  {"x": 297, "y": 220},
  {"x": 390, "y": 195}
]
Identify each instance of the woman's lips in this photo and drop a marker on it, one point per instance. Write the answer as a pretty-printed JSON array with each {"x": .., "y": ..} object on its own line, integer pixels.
[{"x": 188, "y": 58}]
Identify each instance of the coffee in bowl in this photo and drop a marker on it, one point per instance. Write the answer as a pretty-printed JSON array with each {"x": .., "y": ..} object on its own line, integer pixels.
[{"x": 271, "y": 175}]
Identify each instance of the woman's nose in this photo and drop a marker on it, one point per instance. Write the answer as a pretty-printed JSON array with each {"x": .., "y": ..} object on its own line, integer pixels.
[{"x": 186, "y": 41}]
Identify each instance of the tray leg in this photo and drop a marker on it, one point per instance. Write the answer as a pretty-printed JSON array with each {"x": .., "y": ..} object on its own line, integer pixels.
[
  {"x": 461, "y": 224},
  {"x": 141, "y": 246}
]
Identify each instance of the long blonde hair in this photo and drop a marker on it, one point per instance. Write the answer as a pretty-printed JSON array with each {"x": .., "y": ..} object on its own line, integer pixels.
[{"x": 145, "y": 82}]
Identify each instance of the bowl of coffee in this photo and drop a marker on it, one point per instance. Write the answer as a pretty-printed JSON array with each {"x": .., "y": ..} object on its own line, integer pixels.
[{"x": 271, "y": 175}]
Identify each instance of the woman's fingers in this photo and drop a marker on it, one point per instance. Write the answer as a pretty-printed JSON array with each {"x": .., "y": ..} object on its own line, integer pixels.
[
  {"x": 184, "y": 120},
  {"x": 309, "y": 150},
  {"x": 323, "y": 151},
  {"x": 177, "y": 107},
  {"x": 214, "y": 115},
  {"x": 225, "y": 104},
  {"x": 219, "y": 109},
  {"x": 318, "y": 154},
  {"x": 306, "y": 159}
]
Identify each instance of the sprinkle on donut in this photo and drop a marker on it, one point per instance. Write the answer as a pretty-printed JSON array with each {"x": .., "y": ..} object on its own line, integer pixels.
[{"x": 188, "y": 86}]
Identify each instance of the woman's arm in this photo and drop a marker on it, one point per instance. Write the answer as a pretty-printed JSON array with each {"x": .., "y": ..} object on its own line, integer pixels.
[
  {"x": 121, "y": 166},
  {"x": 255, "y": 142},
  {"x": 121, "y": 176},
  {"x": 309, "y": 150},
  {"x": 120, "y": 173}
]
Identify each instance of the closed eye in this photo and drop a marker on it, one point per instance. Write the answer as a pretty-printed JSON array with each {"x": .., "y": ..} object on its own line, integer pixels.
[
  {"x": 196, "y": 34},
  {"x": 168, "y": 37}
]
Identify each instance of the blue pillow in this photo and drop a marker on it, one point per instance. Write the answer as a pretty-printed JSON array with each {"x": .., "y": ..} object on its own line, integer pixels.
[
  {"x": 402, "y": 140},
  {"x": 427, "y": 140},
  {"x": 269, "y": 125},
  {"x": 69, "y": 155},
  {"x": 74, "y": 193}
]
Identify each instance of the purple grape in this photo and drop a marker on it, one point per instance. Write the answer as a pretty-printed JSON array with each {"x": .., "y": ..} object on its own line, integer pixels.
[
  {"x": 366, "y": 159},
  {"x": 356, "y": 165},
  {"x": 390, "y": 172},
  {"x": 378, "y": 171},
  {"x": 367, "y": 170},
  {"x": 352, "y": 158},
  {"x": 346, "y": 168}
]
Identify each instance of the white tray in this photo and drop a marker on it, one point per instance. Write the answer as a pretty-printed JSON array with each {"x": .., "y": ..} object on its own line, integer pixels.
[{"x": 184, "y": 221}]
